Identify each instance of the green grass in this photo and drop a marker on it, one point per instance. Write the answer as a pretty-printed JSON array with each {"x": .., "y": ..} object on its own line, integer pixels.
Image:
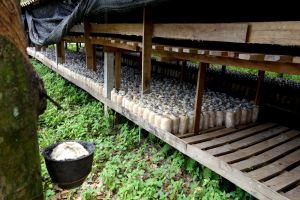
[{"x": 125, "y": 166}]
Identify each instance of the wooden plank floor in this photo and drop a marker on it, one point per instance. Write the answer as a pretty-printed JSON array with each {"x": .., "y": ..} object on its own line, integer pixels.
[{"x": 261, "y": 158}]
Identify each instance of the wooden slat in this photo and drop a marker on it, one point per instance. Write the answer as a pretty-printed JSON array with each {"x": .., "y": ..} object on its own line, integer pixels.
[
  {"x": 259, "y": 148},
  {"x": 278, "y": 58},
  {"x": 234, "y": 136},
  {"x": 74, "y": 39},
  {"x": 218, "y": 53},
  {"x": 250, "y": 185},
  {"x": 247, "y": 141},
  {"x": 260, "y": 79},
  {"x": 117, "y": 70},
  {"x": 296, "y": 59},
  {"x": 268, "y": 156},
  {"x": 123, "y": 29},
  {"x": 146, "y": 51},
  {"x": 210, "y": 32},
  {"x": 189, "y": 50},
  {"x": 293, "y": 194},
  {"x": 289, "y": 68},
  {"x": 284, "y": 180},
  {"x": 121, "y": 45},
  {"x": 208, "y": 136},
  {"x": 89, "y": 47},
  {"x": 247, "y": 56},
  {"x": 177, "y": 49},
  {"x": 214, "y": 133},
  {"x": 283, "y": 33},
  {"x": 199, "y": 96},
  {"x": 276, "y": 167}
]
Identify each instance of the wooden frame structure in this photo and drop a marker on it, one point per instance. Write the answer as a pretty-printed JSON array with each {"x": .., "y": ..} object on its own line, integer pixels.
[{"x": 259, "y": 158}]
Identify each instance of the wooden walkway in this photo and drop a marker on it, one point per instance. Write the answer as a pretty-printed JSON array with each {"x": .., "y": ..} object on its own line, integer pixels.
[{"x": 261, "y": 158}]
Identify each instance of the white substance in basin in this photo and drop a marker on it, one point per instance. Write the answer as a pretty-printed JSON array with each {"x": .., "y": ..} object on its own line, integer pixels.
[{"x": 68, "y": 151}]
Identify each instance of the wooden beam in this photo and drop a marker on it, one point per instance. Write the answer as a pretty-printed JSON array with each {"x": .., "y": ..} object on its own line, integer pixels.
[
  {"x": 249, "y": 56},
  {"x": 123, "y": 29},
  {"x": 289, "y": 68},
  {"x": 79, "y": 39},
  {"x": 60, "y": 52},
  {"x": 278, "y": 58},
  {"x": 199, "y": 96},
  {"x": 117, "y": 70},
  {"x": 146, "y": 51},
  {"x": 115, "y": 44},
  {"x": 282, "y": 33},
  {"x": 89, "y": 48},
  {"x": 260, "y": 79}
]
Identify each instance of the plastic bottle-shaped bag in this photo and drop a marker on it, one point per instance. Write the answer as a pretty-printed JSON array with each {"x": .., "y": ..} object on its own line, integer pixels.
[
  {"x": 237, "y": 116},
  {"x": 191, "y": 123},
  {"x": 249, "y": 115},
  {"x": 140, "y": 110},
  {"x": 119, "y": 99},
  {"x": 166, "y": 124},
  {"x": 230, "y": 119},
  {"x": 219, "y": 118},
  {"x": 255, "y": 112},
  {"x": 205, "y": 120},
  {"x": 243, "y": 116},
  {"x": 183, "y": 124},
  {"x": 175, "y": 124},
  {"x": 157, "y": 120},
  {"x": 212, "y": 119},
  {"x": 146, "y": 114},
  {"x": 151, "y": 118},
  {"x": 135, "y": 107}
]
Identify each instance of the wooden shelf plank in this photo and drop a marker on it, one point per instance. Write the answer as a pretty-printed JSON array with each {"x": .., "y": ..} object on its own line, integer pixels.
[
  {"x": 247, "y": 141},
  {"x": 268, "y": 156},
  {"x": 234, "y": 136},
  {"x": 260, "y": 147},
  {"x": 284, "y": 180},
  {"x": 293, "y": 194},
  {"x": 276, "y": 167}
]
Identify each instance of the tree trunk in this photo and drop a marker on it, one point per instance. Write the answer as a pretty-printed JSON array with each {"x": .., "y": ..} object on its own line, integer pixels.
[{"x": 19, "y": 109}]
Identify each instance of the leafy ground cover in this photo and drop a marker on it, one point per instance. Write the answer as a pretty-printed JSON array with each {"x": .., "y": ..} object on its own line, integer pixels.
[{"x": 126, "y": 166}]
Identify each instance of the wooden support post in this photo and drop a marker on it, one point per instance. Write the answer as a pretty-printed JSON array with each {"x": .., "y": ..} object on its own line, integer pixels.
[
  {"x": 199, "y": 96},
  {"x": 66, "y": 45},
  {"x": 260, "y": 79},
  {"x": 183, "y": 71},
  {"x": 146, "y": 51},
  {"x": 60, "y": 52},
  {"x": 223, "y": 69},
  {"x": 77, "y": 47},
  {"x": 117, "y": 70},
  {"x": 108, "y": 73},
  {"x": 89, "y": 48}
]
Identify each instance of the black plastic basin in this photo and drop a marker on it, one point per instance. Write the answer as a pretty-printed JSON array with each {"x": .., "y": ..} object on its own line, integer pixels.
[{"x": 69, "y": 174}]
